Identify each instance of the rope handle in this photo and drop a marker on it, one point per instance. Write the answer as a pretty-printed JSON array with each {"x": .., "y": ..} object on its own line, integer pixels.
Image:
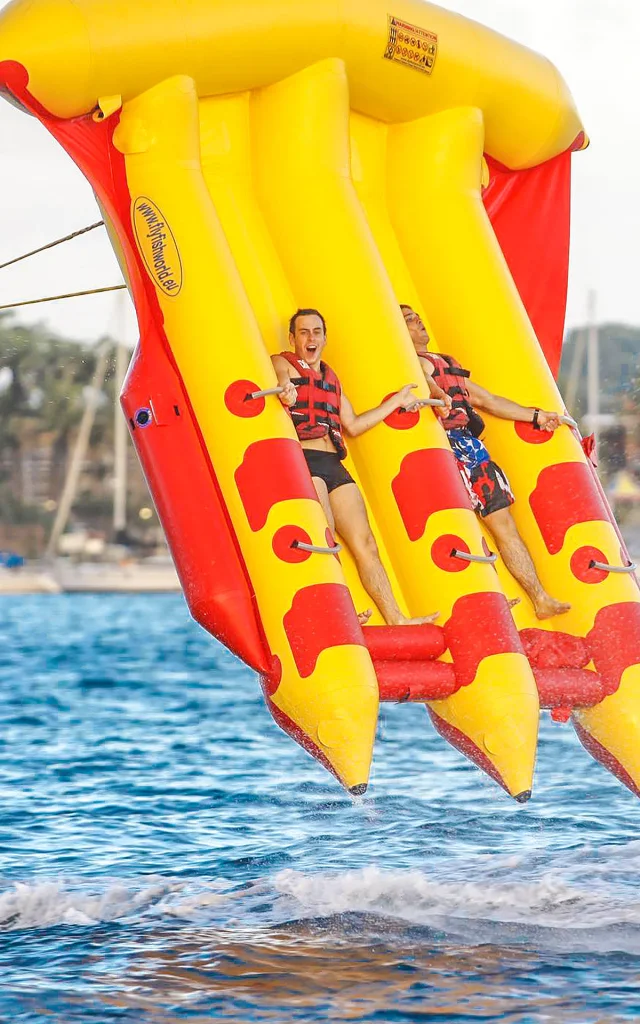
[
  {"x": 619, "y": 569},
  {"x": 465, "y": 556},
  {"x": 423, "y": 403},
  {"x": 252, "y": 397},
  {"x": 315, "y": 550}
]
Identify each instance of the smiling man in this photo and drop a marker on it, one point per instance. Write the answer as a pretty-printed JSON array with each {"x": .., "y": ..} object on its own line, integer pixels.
[
  {"x": 486, "y": 483},
  {"x": 322, "y": 415}
]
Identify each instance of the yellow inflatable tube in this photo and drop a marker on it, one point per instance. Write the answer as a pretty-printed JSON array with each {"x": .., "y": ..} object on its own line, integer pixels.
[
  {"x": 106, "y": 48},
  {"x": 158, "y": 134},
  {"x": 434, "y": 188}
]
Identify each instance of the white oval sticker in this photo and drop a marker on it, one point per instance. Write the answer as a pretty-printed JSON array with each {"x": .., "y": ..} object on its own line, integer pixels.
[{"x": 157, "y": 246}]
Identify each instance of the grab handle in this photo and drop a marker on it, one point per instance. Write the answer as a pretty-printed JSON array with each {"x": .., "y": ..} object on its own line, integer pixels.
[
  {"x": 466, "y": 556},
  {"x": 436, "y": 403},
  {"x": 317, "y": 550},
  {"x": 619, "y": 569},
  {"x": 423, "y": 403},
  {"x": 263, "y": 394},
  {"x": 569, "y": 422}
]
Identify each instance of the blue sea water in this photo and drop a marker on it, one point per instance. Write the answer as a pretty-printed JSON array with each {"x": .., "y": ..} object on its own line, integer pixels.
[{"x": 167, "y": 854}]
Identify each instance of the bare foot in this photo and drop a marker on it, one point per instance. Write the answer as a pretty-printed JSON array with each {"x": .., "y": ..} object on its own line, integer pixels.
[
  {"x": 514, "y": 601},
  {"x": 419, "y": 622},
  {"x": 363, "y": 617},
  {"x": 547, "y": 607}
]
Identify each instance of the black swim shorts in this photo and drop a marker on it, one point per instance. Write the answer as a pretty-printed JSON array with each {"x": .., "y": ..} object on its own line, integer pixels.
[{"x": 328, "y": 467}]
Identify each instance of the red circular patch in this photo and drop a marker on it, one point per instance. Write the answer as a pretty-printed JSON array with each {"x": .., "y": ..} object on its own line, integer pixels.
[
  {"x": 526, "y": 432},
  {"x": 236, "y": 401},
  {"x": 442, "y": 553},
  {"x": 284, "y": 538},
  {"x": 401, "y": 420},
  {"x": 581, "y": 565}
]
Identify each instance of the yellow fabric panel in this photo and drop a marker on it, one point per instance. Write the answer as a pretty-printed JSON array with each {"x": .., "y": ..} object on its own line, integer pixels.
[
  {"x": 214, "y": 344},
  {"x": 615, "y": 723},
  {"x": 500, "y": 720},
  {"x": 436, "y": 207},
  {"x": 77, "y": 51},
  {"x": 226, "y": 145},
  {"x": 327, "y": 249}
]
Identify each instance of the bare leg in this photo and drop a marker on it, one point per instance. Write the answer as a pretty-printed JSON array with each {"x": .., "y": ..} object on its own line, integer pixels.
[
  {"x": 351, "y": 520},
  {"x": 323, "y": 498},
  {"x": 518, "y": 561}
]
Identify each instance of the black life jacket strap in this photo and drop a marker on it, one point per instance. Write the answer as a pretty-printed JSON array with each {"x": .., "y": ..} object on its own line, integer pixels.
[{"x": 454, "y": 371}]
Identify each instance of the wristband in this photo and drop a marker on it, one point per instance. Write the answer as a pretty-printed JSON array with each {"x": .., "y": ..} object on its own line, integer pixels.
[{"x": 536, "y": 425}]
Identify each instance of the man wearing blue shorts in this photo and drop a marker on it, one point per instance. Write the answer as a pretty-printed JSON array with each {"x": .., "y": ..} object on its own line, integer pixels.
[{"x": 486, "y": 482}]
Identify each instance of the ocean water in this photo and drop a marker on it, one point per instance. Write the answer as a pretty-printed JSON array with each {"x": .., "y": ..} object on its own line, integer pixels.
[{"x": 167, "y": 854}]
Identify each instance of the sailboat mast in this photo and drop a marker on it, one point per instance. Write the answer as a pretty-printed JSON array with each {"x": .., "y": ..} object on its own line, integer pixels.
[
  {"x": 92, "y": 400},
  {"x": 593, "y": 367},
  {"x": 120, "y": 432}
]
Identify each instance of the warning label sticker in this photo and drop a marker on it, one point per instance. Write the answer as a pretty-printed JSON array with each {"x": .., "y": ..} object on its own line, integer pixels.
[{"x": 412, "y": 46}]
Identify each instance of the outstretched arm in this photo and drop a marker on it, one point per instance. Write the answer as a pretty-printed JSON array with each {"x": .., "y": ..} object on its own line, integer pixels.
[
  {"x": 282, "y": 367},
  {"x": 355, "y": 425},
  {"x": 505, "y": 409}
]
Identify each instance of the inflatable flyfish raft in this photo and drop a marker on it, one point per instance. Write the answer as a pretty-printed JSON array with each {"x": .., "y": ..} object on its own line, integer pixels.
[{"x": 256, "y": 156}]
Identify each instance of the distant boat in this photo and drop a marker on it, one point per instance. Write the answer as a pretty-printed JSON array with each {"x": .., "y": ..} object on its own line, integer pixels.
[
  {"x": 127, "y": 577},
  {"x": 22, "y": 580},
  {"x": 115, "y": 570}
]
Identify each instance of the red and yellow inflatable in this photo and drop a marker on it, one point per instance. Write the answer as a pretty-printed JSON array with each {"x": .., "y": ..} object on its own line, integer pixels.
[{"x": 252, "y": 157}]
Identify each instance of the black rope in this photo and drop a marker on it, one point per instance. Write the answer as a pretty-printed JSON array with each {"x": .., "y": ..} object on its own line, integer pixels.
[
  {"x": 51, "y": 245},
  {"x": 70, "y": 295}
]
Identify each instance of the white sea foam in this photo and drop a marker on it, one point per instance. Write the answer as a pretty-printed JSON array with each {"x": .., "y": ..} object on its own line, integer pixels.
[
  {"x": 418, "y": 899},
  {"x": 567, "y": 899},
  {"x": 44, "y": 904}
]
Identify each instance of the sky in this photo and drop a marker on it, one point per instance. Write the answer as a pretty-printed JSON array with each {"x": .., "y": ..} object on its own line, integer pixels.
[{"x": 592, "y": 42}]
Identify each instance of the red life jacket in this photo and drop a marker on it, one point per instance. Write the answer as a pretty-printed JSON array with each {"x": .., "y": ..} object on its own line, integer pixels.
[
  {"x": 317, "y": 410},
  {"x": 449, "y": 374}
]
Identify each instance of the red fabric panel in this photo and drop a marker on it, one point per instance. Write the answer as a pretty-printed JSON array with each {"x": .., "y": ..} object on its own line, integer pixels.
[
  {"x": 569, "y": 688},
  {"x": 564, "y": 496},
  {"x": 190, "y": 509},
  {"x": 480, "y": 625},
  {"x": 545, "y": 649},
  {"x": 399, "y": 643},
  {"x": 320, "y": 617},
  {"x": 530, "y": 212},
  {"x": 191, "y": 537},
  {"x": 272, "y": 470},
  {"x": 615, "y": 641},
  {"x": 428, "y": 481},
  {"x": 403, "y": 681}
]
